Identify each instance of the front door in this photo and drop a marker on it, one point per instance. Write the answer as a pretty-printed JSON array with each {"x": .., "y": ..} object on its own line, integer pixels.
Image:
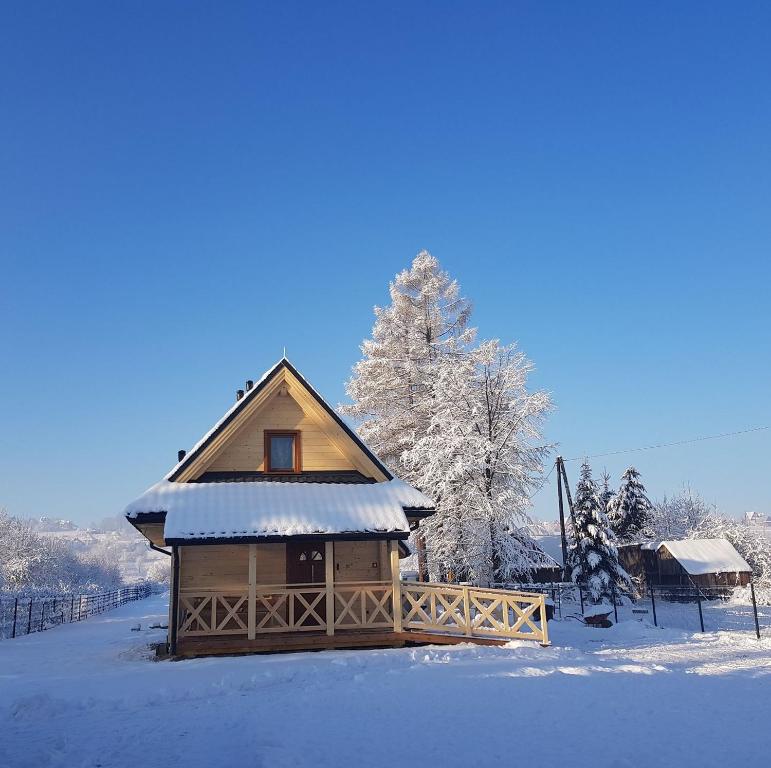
[{"x": 305, "y": 565}]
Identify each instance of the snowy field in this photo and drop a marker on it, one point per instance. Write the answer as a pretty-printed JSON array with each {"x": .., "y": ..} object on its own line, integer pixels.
[{"x": 88, "y": 695}]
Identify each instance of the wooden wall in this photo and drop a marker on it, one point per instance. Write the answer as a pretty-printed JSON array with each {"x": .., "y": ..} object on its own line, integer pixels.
[
  {"x": 361, "y": 561},
  {"x": 214, "y": 566},
  {"x": 226, "y": 566},
  {"x": 245, "y": 452}
]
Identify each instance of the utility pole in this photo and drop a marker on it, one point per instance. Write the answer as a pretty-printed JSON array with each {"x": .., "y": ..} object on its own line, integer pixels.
[{"x": 562, "y": 517}]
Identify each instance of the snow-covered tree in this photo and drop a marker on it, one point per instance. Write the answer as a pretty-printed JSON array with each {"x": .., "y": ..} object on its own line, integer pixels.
[
  {"x": 392, "y": 385},
  {"x": 34, "y": 563},
  {"x": 629, "y": 510},
  {"x": 593, "y": 556},
  {"x": 606, "y": 492},
  {"x": 677, "y": 517},
  {"x": 480, "y": 458}
]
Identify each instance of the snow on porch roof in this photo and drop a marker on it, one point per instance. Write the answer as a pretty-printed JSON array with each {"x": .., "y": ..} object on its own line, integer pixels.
[
  {"x": 700, "y": 556},
  {"x": 233, "y": 510}
]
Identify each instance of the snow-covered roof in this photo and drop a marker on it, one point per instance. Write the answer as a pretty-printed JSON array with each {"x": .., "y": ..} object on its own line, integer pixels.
[
  {"x": 700, "y": 556},
  {"x": 232, "y": 510}
]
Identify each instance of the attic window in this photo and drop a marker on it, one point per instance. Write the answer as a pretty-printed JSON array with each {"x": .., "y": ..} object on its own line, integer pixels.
[{"x": 282, "y": 451}]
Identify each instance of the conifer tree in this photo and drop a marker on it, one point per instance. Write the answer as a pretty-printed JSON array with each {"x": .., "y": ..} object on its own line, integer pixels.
[
  {"x": 629, "y": 511},
  {"x": 392, "y": 385},
  {"x": 594, "y": 557}
]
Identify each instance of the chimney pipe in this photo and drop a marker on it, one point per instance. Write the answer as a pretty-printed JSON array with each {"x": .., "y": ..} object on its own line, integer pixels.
[
  {"x": 249, "y": 384},
  {"x": 239, "y": 394},
  {"x": 181, "y": 455}
]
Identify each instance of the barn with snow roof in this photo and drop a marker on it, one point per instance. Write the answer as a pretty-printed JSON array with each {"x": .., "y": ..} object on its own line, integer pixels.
[
  {"x": 285, "y": 531},
  {"x": 687, "y": 562}
]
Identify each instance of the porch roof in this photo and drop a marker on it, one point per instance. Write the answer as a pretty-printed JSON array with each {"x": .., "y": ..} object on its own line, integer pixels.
[{"x": 269, "y": 509}]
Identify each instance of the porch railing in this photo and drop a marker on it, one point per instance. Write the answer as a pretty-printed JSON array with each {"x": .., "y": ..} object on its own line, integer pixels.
[
  {"x": 433, "y": 608},
  {"x": 454, "y": 609}
]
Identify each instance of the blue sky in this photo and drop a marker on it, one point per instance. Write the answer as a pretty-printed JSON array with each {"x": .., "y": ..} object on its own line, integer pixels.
[{"x": 186, "y": 188}]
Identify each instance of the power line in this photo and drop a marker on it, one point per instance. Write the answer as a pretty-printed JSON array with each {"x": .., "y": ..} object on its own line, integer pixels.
[
  {"x": 543, "y": 482},
  {"x": 669, "y": 445}
]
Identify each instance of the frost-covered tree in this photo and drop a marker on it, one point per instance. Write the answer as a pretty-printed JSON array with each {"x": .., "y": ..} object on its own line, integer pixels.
[
  {"x": 629, "y": 510},
  {"x": 593, "y": 556},
  {"x": 34, "y": 563},
  {"x": 392, "y": 387},
  {"x": 480, "y": 458},
  {"x": 677, "y": 517}
]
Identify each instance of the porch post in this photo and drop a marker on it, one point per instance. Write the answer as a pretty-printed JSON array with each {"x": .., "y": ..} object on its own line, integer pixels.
[
  {"x": 396, "y": 585},
  {"x": 252, "y": 599},
  {"x": 174, "y": 600},
  {"x": 329, "y": 583}
]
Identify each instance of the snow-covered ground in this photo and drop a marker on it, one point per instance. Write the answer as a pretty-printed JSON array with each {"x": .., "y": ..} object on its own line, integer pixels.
[{"x": 88, "y": 694}]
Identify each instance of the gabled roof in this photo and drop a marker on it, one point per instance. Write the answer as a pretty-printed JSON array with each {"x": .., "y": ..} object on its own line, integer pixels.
[
  {"x": 242, "y": 404},
  {"x": 223, "y": 511},
  {"x": 700, "y": 556}
]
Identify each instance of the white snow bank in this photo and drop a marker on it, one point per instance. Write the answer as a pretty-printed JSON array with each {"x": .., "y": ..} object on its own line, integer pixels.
[
  {"x": 227, "y": 510},
  {"x": 700, "y": 556}
]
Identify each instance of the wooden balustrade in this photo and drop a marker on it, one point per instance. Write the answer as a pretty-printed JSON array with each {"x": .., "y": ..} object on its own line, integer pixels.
[
  {"x": 451, "y": 609},
  {"x": 427, "y": 608},
  {"x": 365, "y": 605}
]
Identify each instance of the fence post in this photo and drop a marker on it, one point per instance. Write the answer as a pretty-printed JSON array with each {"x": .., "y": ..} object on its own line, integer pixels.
[
  {"x": 755, "y": 610},
  {"x": 15, "y": 609},
  {"x": 701, "y": 615},
  {"x": 42, "y": 613},
  {"x": 653, "y": 605},
  {"x": 615, "y": 608},
  {"x": 29, "y": 617}
]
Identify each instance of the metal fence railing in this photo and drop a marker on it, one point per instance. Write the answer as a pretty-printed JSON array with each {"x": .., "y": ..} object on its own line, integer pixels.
[
  {"x": 22, "y": 615},
  {"x": 700, "y": 608}
]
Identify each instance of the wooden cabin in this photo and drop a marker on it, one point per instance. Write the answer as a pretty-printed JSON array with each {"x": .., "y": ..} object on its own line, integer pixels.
[
  {"x": 285, "y": 531},
  {"x": 687, "y": 562}
]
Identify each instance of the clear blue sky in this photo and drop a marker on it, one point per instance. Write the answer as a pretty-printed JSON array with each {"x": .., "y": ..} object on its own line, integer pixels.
[{"x": 186, "y": 188}]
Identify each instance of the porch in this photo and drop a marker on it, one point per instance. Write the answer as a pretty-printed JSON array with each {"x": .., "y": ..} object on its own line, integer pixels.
[{"x": 332, "y": 614}]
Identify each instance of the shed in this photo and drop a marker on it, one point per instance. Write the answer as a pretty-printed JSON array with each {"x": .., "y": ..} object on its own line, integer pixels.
[{"x": 685, "y": 562}]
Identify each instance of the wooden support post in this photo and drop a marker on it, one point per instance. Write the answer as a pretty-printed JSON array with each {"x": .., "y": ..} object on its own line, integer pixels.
[
  {"x": 467, "y": 611},
  {"x": 544, "y": 622},
  {"x": 174, "y": 617},
  {"x": 252, "y": 599},
  {"x": 396, "y": 585},
  {"x": 329, "y": 583}
]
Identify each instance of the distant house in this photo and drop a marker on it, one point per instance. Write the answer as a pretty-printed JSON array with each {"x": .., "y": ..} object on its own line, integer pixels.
[
  {"x": 687, "y": 562},
  {"x": 286, "y": 532}
]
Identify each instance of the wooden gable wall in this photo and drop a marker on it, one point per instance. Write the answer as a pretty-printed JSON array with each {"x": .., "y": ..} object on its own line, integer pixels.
[
  {"x": 284, "y": 402},
  {"x": 245, "y": 451}
]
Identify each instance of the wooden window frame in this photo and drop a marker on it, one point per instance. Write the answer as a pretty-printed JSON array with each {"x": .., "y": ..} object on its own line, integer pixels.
[{"x": 293, "y": 433}]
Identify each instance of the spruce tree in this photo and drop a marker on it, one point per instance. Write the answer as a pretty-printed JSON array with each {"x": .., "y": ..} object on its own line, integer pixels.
[
  {"x": 594, "y": 558},
  {"x": 629, "y": 511}
]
